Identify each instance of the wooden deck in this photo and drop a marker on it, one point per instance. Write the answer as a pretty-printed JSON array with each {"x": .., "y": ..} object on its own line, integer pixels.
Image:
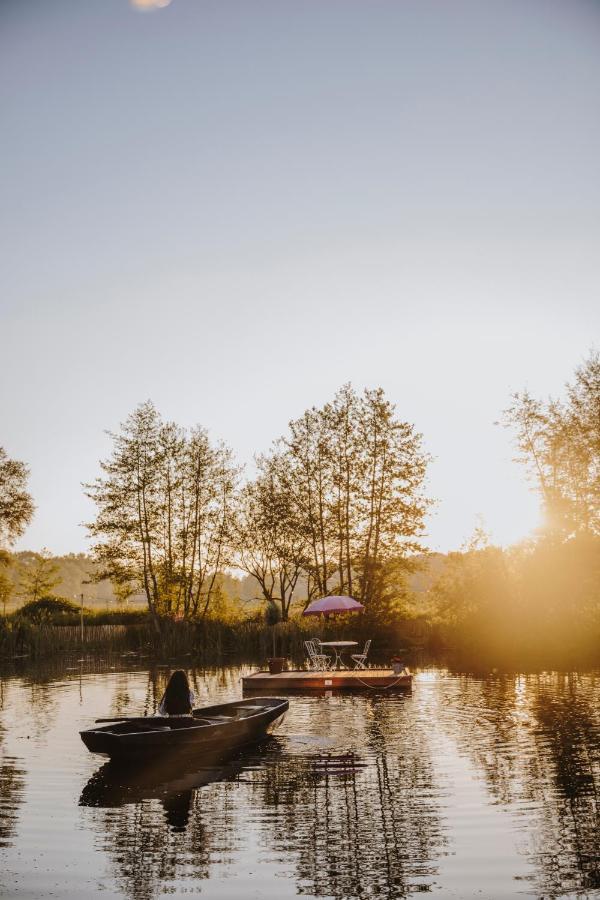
[{"x": 342, "y": 679}]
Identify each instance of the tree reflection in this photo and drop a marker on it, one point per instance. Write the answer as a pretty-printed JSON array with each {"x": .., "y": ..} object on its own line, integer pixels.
[
  {"x": 359, "y": 825},
  {"x": 12, "y": 786},
  {"x": 148, "y": 848},
  {"x": 354, "y": 825},
  {"x": 536, "y": 738},
  {"x": 352, "y": 798},
  {"x": 569, "y": 744}
]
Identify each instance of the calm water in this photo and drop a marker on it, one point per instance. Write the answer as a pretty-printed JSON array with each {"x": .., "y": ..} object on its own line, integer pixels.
[{"x": 467, "y": 786}]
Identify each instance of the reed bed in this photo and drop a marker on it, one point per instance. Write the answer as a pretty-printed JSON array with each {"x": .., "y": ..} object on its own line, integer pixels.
[{"x": 208, "y": 640}]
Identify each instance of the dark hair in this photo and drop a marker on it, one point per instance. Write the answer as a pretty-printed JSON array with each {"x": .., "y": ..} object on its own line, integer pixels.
[{"x": 176, "y": 699}]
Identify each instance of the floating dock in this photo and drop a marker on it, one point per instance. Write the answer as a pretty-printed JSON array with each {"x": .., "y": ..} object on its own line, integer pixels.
[{"x": 342, "y": 679}]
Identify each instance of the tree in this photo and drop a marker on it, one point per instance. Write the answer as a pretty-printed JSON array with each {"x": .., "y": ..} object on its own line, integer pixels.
[
  {"x": 6, "y": 585},
  {"x": 355, "y": 475},
  {"x": 559, "y": 443},
  {"x": 270, "y": 545},
  {"x": 392, "y": 506},
  {"x": 16, "y": 504},
  {"x": 39, "y": 577},
  {"x": 305, "y": 450},
  {"x": 123, "y": 588},
  {"x": 6, "y": 591},
  {"x": 475, "y": 595},
  {"x": 582, "y": 423},
  {"x": 164, "y": 506}
]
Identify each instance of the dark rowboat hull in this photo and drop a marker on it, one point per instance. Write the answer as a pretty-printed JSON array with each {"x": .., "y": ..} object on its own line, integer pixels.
[{"x": 210, "y": 730}]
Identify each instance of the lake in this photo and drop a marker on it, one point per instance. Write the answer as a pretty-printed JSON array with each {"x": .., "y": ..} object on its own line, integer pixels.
[{"x": 467, "y": 786}]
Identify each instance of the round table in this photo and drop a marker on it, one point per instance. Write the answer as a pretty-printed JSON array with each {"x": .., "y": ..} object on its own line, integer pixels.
[{"x": 338, "y": 647}]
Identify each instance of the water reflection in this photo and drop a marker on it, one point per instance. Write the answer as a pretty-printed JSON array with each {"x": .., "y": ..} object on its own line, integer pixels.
[
  {"x": 117, "y": 784},
  {"x": 12, "y": 782},
  {"x": 568, "y": 725},
  {"x": 536, "y": 739},
  {"x": 180, "y": 841},
  {"x": 355, "y": 826},
  {"x": 147, "y": 849},
  {"x": 471, "y": 786},
  {"x": 12, "y": 785}
]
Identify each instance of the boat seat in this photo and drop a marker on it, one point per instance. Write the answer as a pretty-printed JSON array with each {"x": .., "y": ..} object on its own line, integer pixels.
[
  {"x": 137, "y": 729},
  {"x": 237, "y": 712},
  {"x": 187, "y": 722},
  {"x": 243, "y": 712}
]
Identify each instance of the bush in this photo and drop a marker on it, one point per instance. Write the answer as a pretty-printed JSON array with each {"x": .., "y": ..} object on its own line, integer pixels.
[{"x": 47, "y": 609}]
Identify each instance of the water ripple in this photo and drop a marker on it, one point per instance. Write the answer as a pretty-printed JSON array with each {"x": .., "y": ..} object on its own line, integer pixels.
[{"x": 467, "y": 786}]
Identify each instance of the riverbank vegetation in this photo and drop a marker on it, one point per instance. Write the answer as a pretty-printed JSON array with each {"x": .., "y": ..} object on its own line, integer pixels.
[
  {"x": 338, "y": 505},
  {"x": 41, "y": 632}
]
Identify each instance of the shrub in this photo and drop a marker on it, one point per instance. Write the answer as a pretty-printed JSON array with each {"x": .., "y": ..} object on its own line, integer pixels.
[{"x": 47, "y": 608}]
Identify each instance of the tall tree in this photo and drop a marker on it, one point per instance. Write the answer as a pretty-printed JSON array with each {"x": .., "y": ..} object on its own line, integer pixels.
[
  {"x": 356, "y": 476},
  {"x": 270, "y": 545},
  {"x": 16, "y": 504},
  {"x": 307, "y": 457},
  {"x": 559, "y": 443},
  {"x": 164, "y": 507},
  {"x": 392, "y": 505},
  {"x": 123, "y": 588}
]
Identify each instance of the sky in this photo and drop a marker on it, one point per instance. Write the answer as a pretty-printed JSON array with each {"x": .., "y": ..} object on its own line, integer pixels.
[{"x": 234, "y": 207}]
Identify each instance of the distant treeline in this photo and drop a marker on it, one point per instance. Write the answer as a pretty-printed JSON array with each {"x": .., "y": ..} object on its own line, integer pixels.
[{"x": 74, "y": 574}]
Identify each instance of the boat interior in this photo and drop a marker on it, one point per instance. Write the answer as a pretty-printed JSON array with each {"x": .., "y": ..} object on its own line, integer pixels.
[{"x": 170, "y": 723}]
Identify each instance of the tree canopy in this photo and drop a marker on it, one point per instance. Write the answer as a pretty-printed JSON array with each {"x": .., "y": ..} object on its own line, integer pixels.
[
  {"x": 559, "y": 442},
  {"x": 38, "y": 576},
  {"x": 164, "y": 507},
  {"x": 16, "y": 503}
]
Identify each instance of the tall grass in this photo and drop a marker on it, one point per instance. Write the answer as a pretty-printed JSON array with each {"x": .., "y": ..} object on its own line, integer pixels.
[{"x": 207, "y": 640}]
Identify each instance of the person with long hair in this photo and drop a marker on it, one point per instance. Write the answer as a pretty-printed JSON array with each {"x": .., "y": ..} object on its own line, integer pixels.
[{"x": 178, "y": 699}]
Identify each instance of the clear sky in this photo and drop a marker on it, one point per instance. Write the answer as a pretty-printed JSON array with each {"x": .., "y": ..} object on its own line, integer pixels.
[{"x": 233, "y": 208}]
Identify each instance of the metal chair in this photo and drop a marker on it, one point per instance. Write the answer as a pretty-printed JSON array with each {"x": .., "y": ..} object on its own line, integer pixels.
[
  {"x": 360, "y": 659},
  {"x": 319, "y": 661}
]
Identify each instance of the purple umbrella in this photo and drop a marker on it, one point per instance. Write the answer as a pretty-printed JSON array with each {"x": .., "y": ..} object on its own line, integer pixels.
[{"x": 327, "y": 605}]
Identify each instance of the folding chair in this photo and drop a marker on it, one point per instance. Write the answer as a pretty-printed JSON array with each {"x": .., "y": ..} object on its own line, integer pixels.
[
  {"x": 319, "y": 661},
  {"x": 360, "y": 659}
]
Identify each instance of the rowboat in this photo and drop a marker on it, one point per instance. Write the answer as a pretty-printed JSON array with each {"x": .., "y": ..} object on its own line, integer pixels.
[{"x": 209, "y": 730}]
